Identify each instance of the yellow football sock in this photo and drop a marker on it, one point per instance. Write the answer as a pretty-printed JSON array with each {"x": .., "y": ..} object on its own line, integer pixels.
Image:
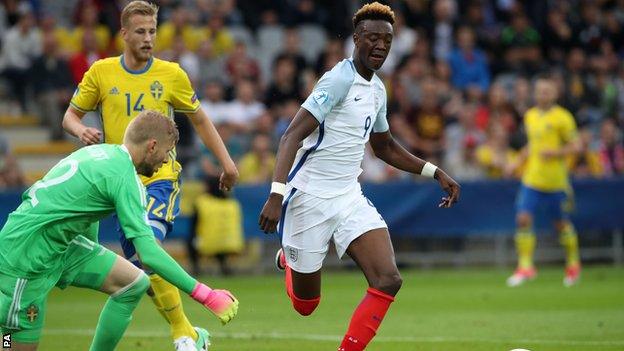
[
  {"x": 525, "y": 246},
  {"x": 167, "y": 300},
  {"x": 569, "y": 241}
]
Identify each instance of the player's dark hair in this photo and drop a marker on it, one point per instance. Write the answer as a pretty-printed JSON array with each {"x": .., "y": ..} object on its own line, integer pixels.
[{"x": 373, "y": 11}]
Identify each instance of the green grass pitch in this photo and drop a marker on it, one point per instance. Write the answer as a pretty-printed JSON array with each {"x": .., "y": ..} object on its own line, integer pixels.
[{"x": 446, "y": 310}]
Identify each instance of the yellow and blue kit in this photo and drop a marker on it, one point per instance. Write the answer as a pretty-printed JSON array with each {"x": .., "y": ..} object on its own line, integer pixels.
[
  {"x": 119, "y": 94},
  {"x": 545, "y": 181}
]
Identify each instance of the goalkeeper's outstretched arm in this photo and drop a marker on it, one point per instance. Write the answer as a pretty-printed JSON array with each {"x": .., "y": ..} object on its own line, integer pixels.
[{"x": 220, "y": 302}]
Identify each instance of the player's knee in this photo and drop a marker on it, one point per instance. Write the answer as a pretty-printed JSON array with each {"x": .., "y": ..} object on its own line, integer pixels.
[
  {"x": 134, "y": 290},
  {"x": 305, "y": 307},
  {"x": 523, "y": 220},
  {"x": 389, "y": 283}
]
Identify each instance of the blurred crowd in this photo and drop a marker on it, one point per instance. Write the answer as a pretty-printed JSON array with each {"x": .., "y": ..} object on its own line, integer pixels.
[{"x": 459, "y": 76}]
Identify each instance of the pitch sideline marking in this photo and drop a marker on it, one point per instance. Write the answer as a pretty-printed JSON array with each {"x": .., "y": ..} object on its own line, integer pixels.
[{"x": 336, "y": 338}]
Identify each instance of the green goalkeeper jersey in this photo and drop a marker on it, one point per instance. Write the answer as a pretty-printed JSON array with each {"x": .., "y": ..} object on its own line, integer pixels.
[{"x": 74, "y": 195}]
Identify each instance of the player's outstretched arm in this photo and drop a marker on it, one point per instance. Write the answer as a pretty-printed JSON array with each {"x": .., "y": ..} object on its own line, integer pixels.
[
  {"x": 211, "y": 138},
  {"x": 302, "y": 125},
  {"x": 388, "y": 150},
  {"x": 72, "y": 123},
  {"x": 220, "y": 302}
]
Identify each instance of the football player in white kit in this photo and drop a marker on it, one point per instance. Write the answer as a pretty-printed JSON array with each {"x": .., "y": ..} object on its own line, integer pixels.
[{"x": 315, "y": 196}]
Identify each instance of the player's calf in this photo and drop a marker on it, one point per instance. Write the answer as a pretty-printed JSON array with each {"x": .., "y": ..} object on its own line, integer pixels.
[{"x": 304, "y": 306}]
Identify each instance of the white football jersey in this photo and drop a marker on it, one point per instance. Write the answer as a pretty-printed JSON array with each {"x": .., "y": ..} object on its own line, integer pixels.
[{"x": 348, "y": 108}]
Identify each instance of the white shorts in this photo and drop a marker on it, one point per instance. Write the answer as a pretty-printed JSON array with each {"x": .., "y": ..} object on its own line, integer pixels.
[{"x": 308, "y": 223}]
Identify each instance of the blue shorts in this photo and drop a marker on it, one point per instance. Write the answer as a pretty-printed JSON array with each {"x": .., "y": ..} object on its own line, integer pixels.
[
  {"x": 553, "y": 204},
  {"x": 163, "y": 205}
]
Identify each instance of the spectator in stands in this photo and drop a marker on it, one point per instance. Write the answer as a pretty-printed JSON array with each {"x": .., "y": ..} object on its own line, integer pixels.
[
  {"x": 464, "y": 165},
  {"x": 217, "y": 228},
  {"x": 611, "y": 149},
  {"x": 21, "y": 45},
  {"x": 217, "y": 33},
  {"x": 108, "y": 12},
  {"x": 607, "y": 93},
  {"x": 226, "y": 8},
  {"x": 177, "y": 28},
  {"x": 577, "y": 93},
  {"x": 235, "y": 143},
  {"x": 11, "y": 175},
  {"x": 469, "y": 65},
  {"x": 213, "y": 102},
  {"x": 440, "y": 31},
  {"x": 521, "y": 96},
  {"x": 186, "y": 58},
  {"x": 461, "y": 133},
  {"x": 495, "y": 154},
  {"x": 497, "y": 109},
  {"x": 285, "y": 84},
  {"x": 410, "y": 76},
  {"x": 88, "y": 21},
  {"x": 285, "y": 113},
  {"x": 292, "y": 50},
  {"x": 52, "y": 85},
  {"x": 613, "y": 30},
  {"x": 80, "y": 62},
  {"x": 244, "y": 110},
  {"x": 427, "y": 122},
  {"x": 48, "y": 24},
  {"x": 589, "y": 31},
  {"x": 618, "y": 77},
  {"x": 256, "y": 166},
  {"x": 265, "y": 124},
  {"x": 377, "y": 171},
  {"x": 333, "y": 53},
  {"x": 586, "y": 163},
  {"x": 478, "y": 16},
  {"x": 240, "y": 66},
  {"x": 303, "y": 12},
  {"x": 558, "y": 35},
  {"x": 402, "y": 43},
  {"x": 521, "y": 42},
  {"x": 211, "y": 66}
]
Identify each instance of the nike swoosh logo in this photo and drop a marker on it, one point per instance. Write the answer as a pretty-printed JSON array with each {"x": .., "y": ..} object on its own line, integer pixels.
[{"x": 357, "y": 98}]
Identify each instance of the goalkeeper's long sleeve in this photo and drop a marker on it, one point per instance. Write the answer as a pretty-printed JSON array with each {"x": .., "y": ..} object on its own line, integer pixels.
[{"x": 159, "y": 261}]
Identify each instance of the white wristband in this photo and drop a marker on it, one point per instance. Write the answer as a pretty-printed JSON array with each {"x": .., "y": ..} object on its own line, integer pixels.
[
  {"x": 278, "y": 188},
  {"x": 428, "y": 170}
]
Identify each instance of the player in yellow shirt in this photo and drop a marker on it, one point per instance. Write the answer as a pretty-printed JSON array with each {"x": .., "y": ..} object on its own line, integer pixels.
[
  {"x": 120, "y": 88},
  {"x": 552, "y": 138}
]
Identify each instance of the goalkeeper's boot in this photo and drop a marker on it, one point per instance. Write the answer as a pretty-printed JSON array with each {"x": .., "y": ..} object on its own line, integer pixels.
[
  {"x": 186, "y": 343},
  {"x": 280, "y": 260},
  {"x": 520, "y": 276},
  {"x": 572, "y": 275}
]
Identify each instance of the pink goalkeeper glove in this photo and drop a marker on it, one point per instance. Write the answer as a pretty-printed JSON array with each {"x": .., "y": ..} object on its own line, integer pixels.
[{"x": 220, "y": 302}]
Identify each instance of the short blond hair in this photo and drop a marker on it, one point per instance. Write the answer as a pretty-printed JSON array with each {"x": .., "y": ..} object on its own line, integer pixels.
[
  {"x": 373, "y": 11},
  {"x": 137, "y": 7},
  {"x": 150, "y": 124}
]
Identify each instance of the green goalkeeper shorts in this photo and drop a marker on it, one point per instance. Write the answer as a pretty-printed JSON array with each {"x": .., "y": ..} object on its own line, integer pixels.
[{"x": 23, "y": 300}]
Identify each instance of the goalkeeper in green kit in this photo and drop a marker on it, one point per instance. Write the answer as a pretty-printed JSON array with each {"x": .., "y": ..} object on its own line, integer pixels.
[{"x": 51, "y": 238}]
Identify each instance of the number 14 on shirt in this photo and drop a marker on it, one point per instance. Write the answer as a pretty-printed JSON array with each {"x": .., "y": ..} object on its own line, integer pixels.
[{"x": 138, "y": 106}]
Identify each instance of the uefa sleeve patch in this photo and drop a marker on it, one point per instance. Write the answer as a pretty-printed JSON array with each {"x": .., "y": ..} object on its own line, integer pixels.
[
  {"x": 320, "y": 96},
  {"x": 193, "y": 98}
]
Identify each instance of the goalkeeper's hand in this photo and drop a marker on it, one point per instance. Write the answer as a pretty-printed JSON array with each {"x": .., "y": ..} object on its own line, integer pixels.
[{"x": 220, "y": 302}]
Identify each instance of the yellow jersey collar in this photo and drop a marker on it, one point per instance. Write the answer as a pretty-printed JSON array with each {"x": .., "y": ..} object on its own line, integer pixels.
[{"x": 137, "y": 71}]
